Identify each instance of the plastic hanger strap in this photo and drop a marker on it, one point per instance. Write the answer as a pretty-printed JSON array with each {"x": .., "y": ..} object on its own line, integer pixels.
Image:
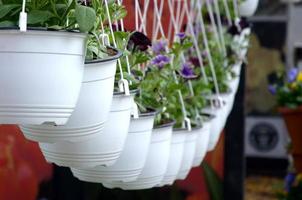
[
  {"x": 23, "y": 18},
  {"x": 123, "y": 83},
  {"x": 206, "y": 43},
  {"x": 220, "y": 27}
]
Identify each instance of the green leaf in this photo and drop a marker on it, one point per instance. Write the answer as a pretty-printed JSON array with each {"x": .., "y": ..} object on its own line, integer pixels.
[
  {"x": 7, "y": 24},
  {"x": 85, "y": 17},
  {"x": 5, "y": 9},
  {"x": 214, "y": 183},
  {"x": 38, "y": 16}
]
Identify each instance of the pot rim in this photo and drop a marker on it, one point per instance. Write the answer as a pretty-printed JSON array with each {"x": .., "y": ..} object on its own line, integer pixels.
[
  {"x": 165, "y": 125},
  {"x": 42, "y": 29},
  {"x": 184, "y": 129},
  {"x": 209, "y": 117},
  {"x": 150, "y": 113},
  {"x": 118, "y": 55},
  {"x": 286, "y": 110},
  {"x": 132, "y": 92}
]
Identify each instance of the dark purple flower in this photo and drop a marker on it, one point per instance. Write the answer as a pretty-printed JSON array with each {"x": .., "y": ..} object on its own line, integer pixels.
[
  {"x": 195, "y": 61},
  {"x": 159, "y": 46},
  {"x": 292, "y": 75},
  {"x": 181, "y": 35},
  {"x": 138, "y": 41},
  {"x": 272, "y": 89},
  {"x": 233, "y": 30},
  {"x": 187, "y": 71},
  {"x": 244, "y": 23},
  {"x": 289, "y": 180},
  {"x": 160, "y": 61}
]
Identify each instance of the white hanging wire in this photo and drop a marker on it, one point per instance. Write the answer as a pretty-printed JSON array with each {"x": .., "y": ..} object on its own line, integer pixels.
[
  {"x": 187, "y": 121},
  {"x": 195, "y": 42},
  {"x": 227, "y": 11},
  {"x": 124, "y": 40},
  {"x": 236, "y": 8},
  {"x": 177, "y": 30},
  {"x": 220, "y": 27},
  {"x": 170, "y": 30},
  {"x": 158, "y": 13},
  {"x": 209, "y": 54},
  {"x": 214, "y": 27},
  {"x": 141, "y": 27},
  {"x": 123, "y": 83}
]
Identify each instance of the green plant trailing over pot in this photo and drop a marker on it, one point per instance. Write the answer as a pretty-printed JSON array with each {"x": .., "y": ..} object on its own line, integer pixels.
[
  {"x": 95, "y": 47},
  {"x": 50, "y": 14},
  {"x": 163, "y": 77}
]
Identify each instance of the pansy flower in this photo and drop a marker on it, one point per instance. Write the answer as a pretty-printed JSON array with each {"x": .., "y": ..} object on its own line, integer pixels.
[
  {"x": 159, "y": 46},
  {"x": 181, "y": 35},
  {"x": 160, "y": 61},
  {"x": 139, "y": 41},
  {"x": 187, "y": 71},
  {"x": 292, "y": 75},
  {"x": 272, "y": 89}
]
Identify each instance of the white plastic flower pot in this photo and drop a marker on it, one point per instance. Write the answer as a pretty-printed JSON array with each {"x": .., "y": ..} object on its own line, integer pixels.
[
  {"x": 217, "y": 124},
  {"x": 189, "y": 153},
  {"x": 156, "y": 163},
  {"x": 175, "y": 158},
  {"x": 40, "y": 75},
  {"x": 237, "y": 68},
  {"x": 234, "y": 85},
  {"x": 248, "y": 8},
  {"x": 91, "y": 112},
  {"x": 202, "y": 143},
  {"x": 103, "y": 149},
  {"x": 228, "y": 99},
  {"x": 132, "y": 159}
]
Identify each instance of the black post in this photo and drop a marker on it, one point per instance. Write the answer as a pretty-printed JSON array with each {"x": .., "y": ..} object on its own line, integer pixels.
[{"x": 234, "y": 147}]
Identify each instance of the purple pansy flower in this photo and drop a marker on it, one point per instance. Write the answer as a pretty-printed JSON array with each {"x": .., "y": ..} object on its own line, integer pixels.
[
  {"x": 289, "y": 180},
  {"x": 160, "y": 61},
  {"x": 292, "y": 75},
  {"x": 272, "y": 89},
  {"x": 187, "y": 71},
  {"x": 181, "y": 35},
  {"x": 159, "y": 46}
]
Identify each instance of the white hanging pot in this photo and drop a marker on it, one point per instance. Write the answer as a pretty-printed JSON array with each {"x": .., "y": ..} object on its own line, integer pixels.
[
  {"x": 189, "y": 152},
  {"x": 156, "y": 163},
  {"x": 248, "y": 7},
  {"x": 234, "y": 85},
  {"x": 202, "y": 143},
  {"x": 217, "y": 124},
  {"x": 237, "y": 68},
  {"x": 228, "y": 99},
  {"x": 175, "y": 158},
  {"x": 91, "y": 112},
  {"x": 132, "y": 159},
  {"x": 40, "y": 75},
  {"x": 103, "y": 149}
]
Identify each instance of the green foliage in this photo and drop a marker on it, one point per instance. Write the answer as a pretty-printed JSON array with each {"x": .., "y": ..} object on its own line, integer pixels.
[
  {"x": 214, "y": 183},
  {"x": 288, "y": 90},
  {"x": 56, "y": 14},
  {"x": 293, "y": 190}
]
